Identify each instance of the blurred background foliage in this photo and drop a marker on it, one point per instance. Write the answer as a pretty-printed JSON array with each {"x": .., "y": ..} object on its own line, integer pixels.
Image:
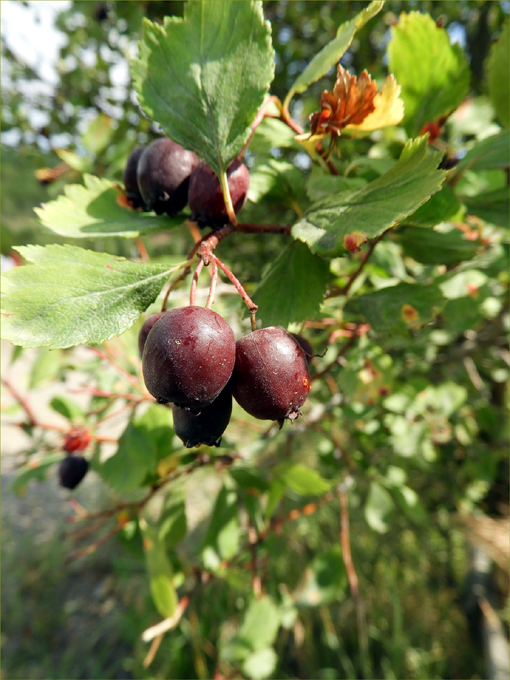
[{"x": 440, "y": 391}]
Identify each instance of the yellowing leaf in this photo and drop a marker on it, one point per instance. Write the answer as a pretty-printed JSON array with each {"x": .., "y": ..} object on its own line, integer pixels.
[{"x": 389, "y": 108}]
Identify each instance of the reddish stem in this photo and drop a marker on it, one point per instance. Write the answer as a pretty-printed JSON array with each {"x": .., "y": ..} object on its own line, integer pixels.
[
  {"x": 193, "y": 289},
  {"x": 251, "y": 305},
  {"x": 115, "y": 365},
  {"x": 142, "y": 250},
  {"x": 214, "y": 280},
  {"x": 22, "y": 401},
  {"x": 345, "y": 289}
]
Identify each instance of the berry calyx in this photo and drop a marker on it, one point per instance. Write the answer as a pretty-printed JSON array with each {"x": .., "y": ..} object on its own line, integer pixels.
[
  {"x": 130, "y": 179},
  {"x": 163, "y": 175},
  {"x": 206, "y": 198},
  {"x": 72, "y": 470},
  {"x": 188, "y": 357},
  {"x": 146, "y": 329},
  {"x": 271, "y": 379},
  {"x": 206, "y": 426}
]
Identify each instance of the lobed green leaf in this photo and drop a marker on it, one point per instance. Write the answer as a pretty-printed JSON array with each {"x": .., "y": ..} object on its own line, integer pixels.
[
  {"x": 204, "y": 77},
  {"x": 372, "y": 209},
  {"x": 92, "y": 211},
  {"x": 293, "y": 288},
  {"x": 70, "y": 296},
  {"x": 396, "y": 309},
  {"x": 433, "y": 74}
]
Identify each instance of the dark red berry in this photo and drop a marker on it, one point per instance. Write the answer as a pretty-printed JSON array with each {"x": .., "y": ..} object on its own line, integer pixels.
[
  {"x": 130, "y": 179},
  {"x": 270, "y": 379},
  {"x": 206, "y": 426},
  {"x": 163, "y": 175},
  {"x": 188, "y": 357},
  {"x": 72, "y": 470},
  {"x": 77, "y": 439},
  {"x": 146, "y": 329},
  {"x": 206, "y": 198},
  {"x": 305, "y": 346}
]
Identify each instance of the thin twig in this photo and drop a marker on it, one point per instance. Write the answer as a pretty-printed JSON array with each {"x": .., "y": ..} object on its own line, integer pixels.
[
  {"x": 88, "y": 550},
  {"x": 193, "y": 288},
  {"x": 131, "y": 379},
  {"x": 142, "y": 250},
  {"x": 214, "y": 280},
  {"x": 22, "y": 401},
  {"x": 250, "y": 304},
  {"x": 352, "y": 278}
]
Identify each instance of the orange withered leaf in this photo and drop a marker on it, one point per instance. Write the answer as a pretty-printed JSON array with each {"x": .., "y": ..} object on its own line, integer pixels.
[{"x": 351, "y": 101}]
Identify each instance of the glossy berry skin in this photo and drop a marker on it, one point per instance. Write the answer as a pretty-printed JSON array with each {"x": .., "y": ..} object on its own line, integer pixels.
[
  {"x": 130, "y": 179},
  {"x": 305, "y": 346},
  {"x": 71, "y": 471},
  {"x": 270, "y": 379},
  {"x": 146, "y": 329},
  {"x": 163, "y": 174},
  {"x": 206, "y": 198},
  {"x": 206, "y": 426},
  {"x": 188, "y": 357}
]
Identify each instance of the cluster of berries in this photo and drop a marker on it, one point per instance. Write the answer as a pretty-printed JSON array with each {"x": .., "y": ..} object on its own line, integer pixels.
[
  {"x": 164, "y": 177},
  {"x": 190, "y": 359}
]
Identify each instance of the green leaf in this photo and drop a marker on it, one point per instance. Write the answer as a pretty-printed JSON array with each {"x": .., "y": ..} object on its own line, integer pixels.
[
  {"x": 433, "y": 247},
  {"x": 92, "y": 211},
  {"x": 488, "y": 154},
  {"x": 396, "y": 309},
  {"x": 293, "y": 288},
  {"x": 375, "y": 207},
  {"x": 260, "y": 624},
  {"x": 71, "y": 296},
  {"x": 36, "y": 468},
  {"x": 204, "y": 77},
  {"x": 260, "y": 664},
  {"x": 441, "y": 207},
  {"x": 98, "y": 134},
  {"x": 281, "y": 179},
  {"x": 433, "y": 74},
  {"x": 160, "y": 570},
  {"x": 272, "y": 133},
  {"x": 172, "y": 524},
  {"x": 74, "y": 161},
  {"x": 157, "y": 424},
  {"x": 325, "y": 580},
  {"x": 378, "y": 507},
  {"x": 45, "y": 367},
  {"x": 320, "y": 185},
  {"x": 333, "y": 51},
  {"x": 222, "y": 538},
  {"x": 304, "y": 481},
  {"x": 134, "y": 458},
  {"x": 499, "y": 76},
  {"x": 490, "y": 206},
  {"x": 67, "y": 407}
]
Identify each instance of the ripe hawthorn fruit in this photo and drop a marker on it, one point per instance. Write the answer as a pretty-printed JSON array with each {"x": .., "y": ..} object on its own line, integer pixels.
[
  {"x": 305, "y": 346},
  {"x": 270, "y": 379},
  {"x": 146, "y": 329},
  {"x": 130, "y": 179},
  {"x": 206, "y": 198},
  {"x": 72, "y": 470},
  {"x": 163, "y": 174},
  {"x": 77, "y": 439},
  {"x": 206, "y": 426},
  {"x": 188, "y": 357}
]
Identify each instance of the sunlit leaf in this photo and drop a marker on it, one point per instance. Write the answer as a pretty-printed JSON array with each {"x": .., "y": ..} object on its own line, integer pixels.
[{"x": 93, "y": 211}]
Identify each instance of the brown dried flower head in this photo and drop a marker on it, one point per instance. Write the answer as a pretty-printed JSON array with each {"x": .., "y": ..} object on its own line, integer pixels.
[{"x": 351, "y": 101}]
